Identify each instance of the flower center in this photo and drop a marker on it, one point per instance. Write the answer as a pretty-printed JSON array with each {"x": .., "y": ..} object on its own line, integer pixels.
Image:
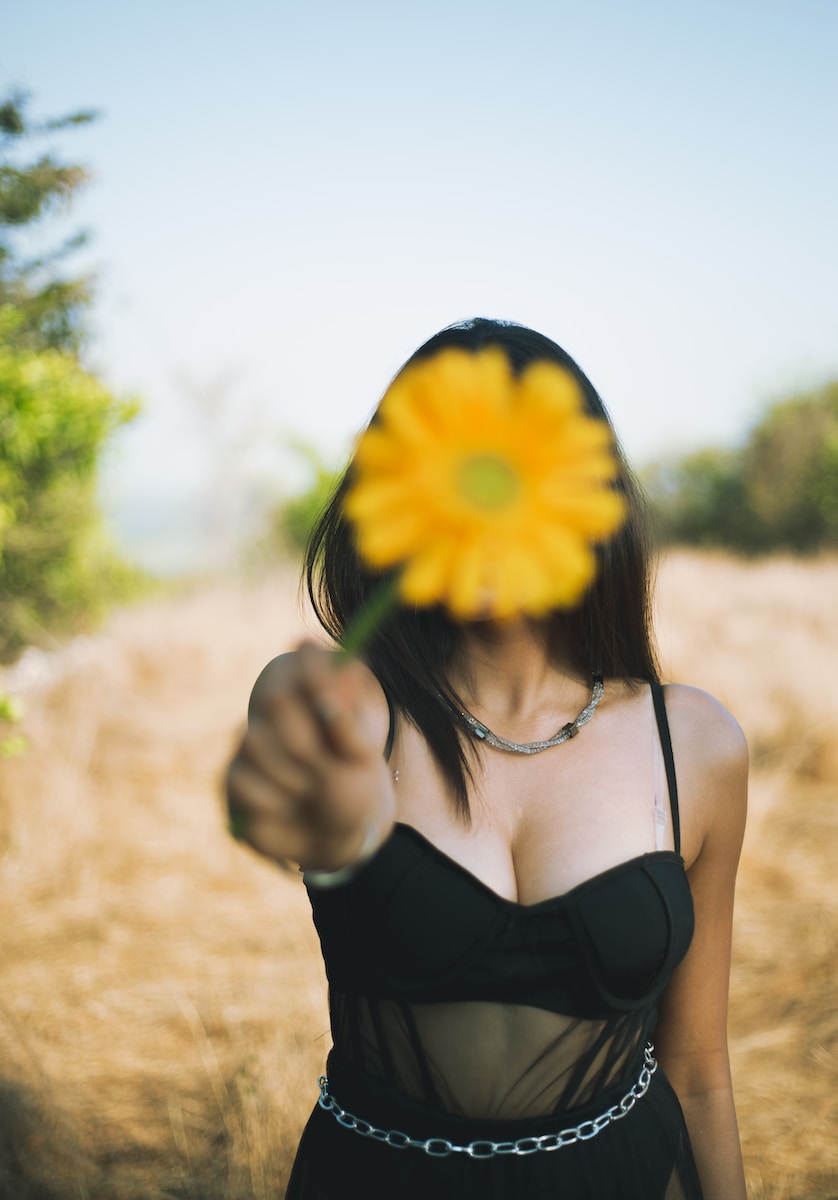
[{"x": 488, "y": 481}]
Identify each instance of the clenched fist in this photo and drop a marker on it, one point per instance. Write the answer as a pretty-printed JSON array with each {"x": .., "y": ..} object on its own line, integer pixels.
[{"x": 309, "y": 781}]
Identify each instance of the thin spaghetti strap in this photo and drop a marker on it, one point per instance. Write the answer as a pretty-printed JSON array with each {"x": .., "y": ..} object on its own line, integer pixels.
[
  {"x": 669, "y": 760},
  {"x": 391, "y": 731}
]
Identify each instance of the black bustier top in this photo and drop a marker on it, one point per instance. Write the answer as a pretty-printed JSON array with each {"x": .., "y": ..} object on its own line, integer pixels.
[{"x": 430, "y": 971}]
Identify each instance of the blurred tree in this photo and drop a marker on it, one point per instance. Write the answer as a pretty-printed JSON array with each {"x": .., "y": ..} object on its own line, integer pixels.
[
  {"x": 790, "y": 470},
  {"x": 57, "y": 567},
  {"x": 51, "y": 307},
  {"x": 293, "y": 519},
  {"x": 780, "y": 491},
  {"x": 700, "y": 499}
]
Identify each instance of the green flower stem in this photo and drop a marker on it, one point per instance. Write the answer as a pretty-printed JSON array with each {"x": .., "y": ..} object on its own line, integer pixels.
[
  {"x": 237, "y": 825},
  {"x": 366, "y": 621}
]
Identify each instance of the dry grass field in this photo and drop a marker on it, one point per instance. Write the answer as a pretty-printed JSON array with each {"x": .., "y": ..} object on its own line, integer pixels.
[{"x": 162, "y": 1010}]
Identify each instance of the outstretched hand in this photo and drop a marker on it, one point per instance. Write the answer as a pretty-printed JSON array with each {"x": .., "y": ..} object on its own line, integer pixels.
[{"x": 309, "y": 777}]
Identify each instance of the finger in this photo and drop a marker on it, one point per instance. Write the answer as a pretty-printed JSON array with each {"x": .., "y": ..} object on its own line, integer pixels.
[
  {"x": 316, "y": 669},
  {"x": 288, "y": 727},
  {"x": 285, "y": 753},
  {"x": 250, "y": 795},
  {"x": 344, "y": 728},
  {"x": 285, "y": 831},
  {"x": 275, "y": 840},
  {"x": 336, "y": 696}
]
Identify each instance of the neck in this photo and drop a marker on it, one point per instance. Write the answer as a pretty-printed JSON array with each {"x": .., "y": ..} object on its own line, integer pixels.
[{"x": 509, "y": 670}]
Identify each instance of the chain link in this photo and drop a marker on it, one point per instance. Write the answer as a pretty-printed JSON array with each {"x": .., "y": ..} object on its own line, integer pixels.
[{"x": 483, "y": 1148}]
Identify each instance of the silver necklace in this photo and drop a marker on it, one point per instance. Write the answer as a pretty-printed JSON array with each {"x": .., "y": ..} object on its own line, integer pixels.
[{"x": 566, "y": 732}]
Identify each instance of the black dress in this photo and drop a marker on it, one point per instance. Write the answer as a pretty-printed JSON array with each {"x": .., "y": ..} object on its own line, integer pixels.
[{"x": 512, "y": 1042}]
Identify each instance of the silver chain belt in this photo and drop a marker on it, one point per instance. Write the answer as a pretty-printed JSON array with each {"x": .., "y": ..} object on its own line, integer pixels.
[{"x": 441, "y": 1147}]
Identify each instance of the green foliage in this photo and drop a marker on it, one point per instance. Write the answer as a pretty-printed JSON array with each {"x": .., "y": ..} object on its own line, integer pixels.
[
  {"x": 11, "y": 711},
  {"x": 50, "y": 307},
  {"x": 701, "y": 500},
  {"x": 790, "y": 470},
  {"x": 56, "y": 564},
  {"x": 294, "y": 519},
  {"x": 58, "y": 571},
  {"x": 780, "y": 491}
]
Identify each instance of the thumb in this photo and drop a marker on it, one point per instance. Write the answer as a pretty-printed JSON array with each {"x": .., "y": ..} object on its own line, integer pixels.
[{"x": 336, "y": 694}]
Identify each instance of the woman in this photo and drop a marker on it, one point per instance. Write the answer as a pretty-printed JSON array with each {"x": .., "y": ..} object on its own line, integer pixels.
[{"x": 526, "y": 933}]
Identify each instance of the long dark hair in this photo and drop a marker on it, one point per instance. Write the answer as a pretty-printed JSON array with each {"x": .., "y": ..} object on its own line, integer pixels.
[{"x": 610, "y": 631}]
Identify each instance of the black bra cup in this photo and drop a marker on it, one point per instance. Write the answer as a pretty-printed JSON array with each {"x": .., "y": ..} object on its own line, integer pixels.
[{"x": 417, "y": 925}]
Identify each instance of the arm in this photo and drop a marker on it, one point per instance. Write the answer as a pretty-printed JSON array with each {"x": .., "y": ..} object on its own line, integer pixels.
[
  {"x": 691, "y": 1039},
  {"x": 308, "y": 781}
]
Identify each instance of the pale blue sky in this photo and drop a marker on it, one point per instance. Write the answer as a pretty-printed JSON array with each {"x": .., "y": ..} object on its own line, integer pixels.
[{"x": 290, "y": 197}]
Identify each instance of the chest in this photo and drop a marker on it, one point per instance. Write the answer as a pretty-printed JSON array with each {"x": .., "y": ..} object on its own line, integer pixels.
[
  {"x": 418, "y": 926},
  {"x": 541, "y": 824}
]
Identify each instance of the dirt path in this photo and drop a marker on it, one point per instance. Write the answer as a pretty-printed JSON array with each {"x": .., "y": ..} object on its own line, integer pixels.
[{"x": 162, "y": 1014}]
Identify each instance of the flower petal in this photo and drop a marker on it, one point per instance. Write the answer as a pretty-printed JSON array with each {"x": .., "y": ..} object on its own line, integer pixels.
[{"x": 487, "y": 489}]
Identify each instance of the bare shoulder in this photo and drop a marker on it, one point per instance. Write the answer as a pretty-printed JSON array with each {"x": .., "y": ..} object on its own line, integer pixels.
[
  {"x": 361, "y": 686},
  {"x": 704, "y": 729},
  {"x": 711, "y": 764}
]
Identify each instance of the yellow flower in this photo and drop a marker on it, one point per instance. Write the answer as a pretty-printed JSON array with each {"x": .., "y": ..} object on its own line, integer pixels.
[{"x": 487, "y": 490}]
